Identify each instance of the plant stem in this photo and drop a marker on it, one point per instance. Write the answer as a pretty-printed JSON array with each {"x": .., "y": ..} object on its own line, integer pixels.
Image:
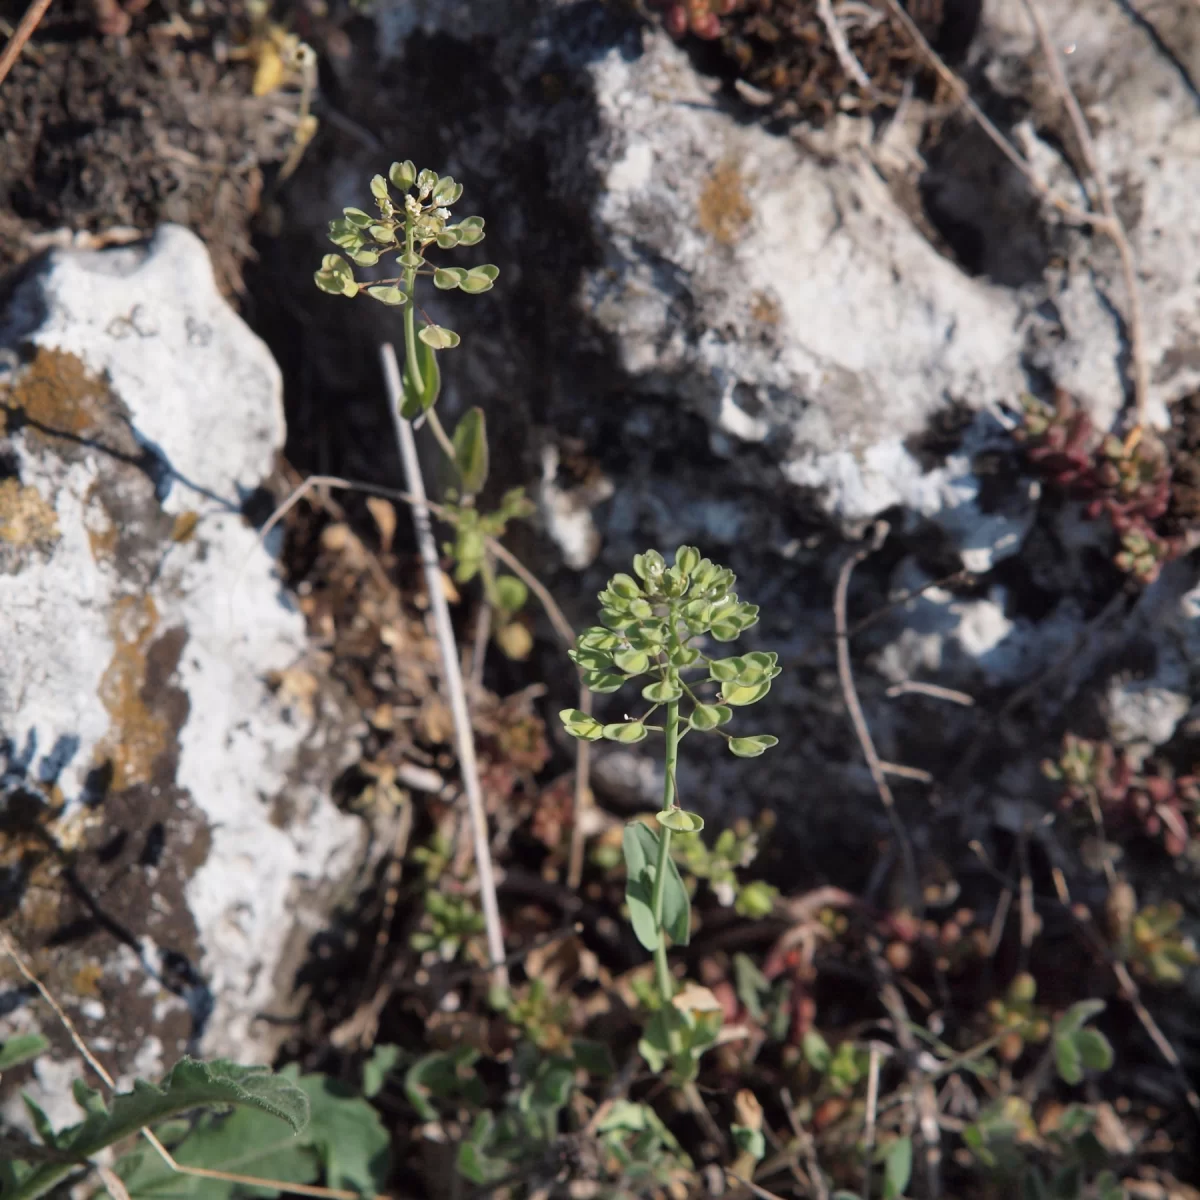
[
  {"x": 410, "y": 315},
  {"x": 665, "y": 986},
  {"x": 439, "y": 432}
]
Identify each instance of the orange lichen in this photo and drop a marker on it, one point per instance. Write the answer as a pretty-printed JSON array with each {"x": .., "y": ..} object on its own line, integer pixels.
[
  {"x": 722, "y": 209},
  {"x": 57, "y": 394},
  {"x": 27, "y": 523},
  {"x": 136, "y": 736},
  {"x": 86, "y": 981}
]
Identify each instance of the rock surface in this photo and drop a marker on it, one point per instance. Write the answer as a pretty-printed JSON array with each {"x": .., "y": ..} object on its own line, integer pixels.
[
  {"x": 167, "y": 840},
  {"x": 758, "y": 340}
]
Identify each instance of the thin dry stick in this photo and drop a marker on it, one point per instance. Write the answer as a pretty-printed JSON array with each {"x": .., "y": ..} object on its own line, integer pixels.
[
  {"x": 1114, "y": 228},
  {"x": 903, "y": 772},
  {"x": 302, "y": 1189},
  {"x": 1107, "y": 221},
  {"x": 922, "y": 1086},
  {"x": 583, "y": 791},
  {"x": 872, "y": 1110},
  {"x": 452, "y": 676},
  {"x": 850, "y": 695},
  {"x": 911, "y": 687},
  {"x": 837, "y": 38},
  {"x": 807, "y": 1148},
  {"x": 29, "y": 22}
]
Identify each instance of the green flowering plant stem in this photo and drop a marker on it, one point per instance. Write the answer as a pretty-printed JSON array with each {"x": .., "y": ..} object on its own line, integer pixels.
[
  {"x": 648, "y": 628},
  {"x": 665, "y": 986},
  {"x": 410, "y": 228}
]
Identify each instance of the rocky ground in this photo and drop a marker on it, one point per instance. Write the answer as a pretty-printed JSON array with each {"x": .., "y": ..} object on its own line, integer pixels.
[{"x": 746, "y": 301}]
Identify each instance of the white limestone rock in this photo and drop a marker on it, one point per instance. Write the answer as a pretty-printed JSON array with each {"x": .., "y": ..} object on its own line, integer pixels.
[{"x": 143, "y": 626}]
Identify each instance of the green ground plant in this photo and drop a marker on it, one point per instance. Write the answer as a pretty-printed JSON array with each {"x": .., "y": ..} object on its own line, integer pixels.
[
  {"x": 649, "y": 625},
  {"x": 408, "y": 228}
]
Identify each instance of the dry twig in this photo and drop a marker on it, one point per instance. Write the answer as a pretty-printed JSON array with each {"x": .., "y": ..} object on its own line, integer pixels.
[
  {"x": 854, "y": 708},
  {"x": 24, "y": 31},
  {"x": 452, "y": 676}
]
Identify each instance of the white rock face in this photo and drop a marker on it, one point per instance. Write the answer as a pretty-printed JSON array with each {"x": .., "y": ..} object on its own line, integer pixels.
[
  {"x": 142, "y": 623},
  {"x": 792, "y": 301}
]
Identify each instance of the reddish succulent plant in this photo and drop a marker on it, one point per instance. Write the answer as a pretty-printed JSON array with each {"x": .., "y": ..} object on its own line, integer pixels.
[
  {"x": 699, "y": 17},
  {"x": 1151, "y": 799},
  {"x": 1127, "y": 481}
]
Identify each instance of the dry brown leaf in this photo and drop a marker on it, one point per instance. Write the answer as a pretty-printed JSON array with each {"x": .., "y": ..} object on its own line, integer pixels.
[{"x": 385, "y": 520}]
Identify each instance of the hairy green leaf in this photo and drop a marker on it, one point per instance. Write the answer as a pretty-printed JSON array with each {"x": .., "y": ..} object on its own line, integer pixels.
[{"x": 190, "y": 1084}]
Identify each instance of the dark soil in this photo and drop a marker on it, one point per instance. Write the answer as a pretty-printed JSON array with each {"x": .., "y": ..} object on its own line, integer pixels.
[{"x": 99, "y": 134}]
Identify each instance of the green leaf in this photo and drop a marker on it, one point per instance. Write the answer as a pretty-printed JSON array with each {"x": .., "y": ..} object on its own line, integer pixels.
[
  {"x": 17, "y": 1050},
  {"x": 662, "y": 692},
  {"x": 590, "y": 660},
  {"x": 687, "y": 559},
  {"x": 580, "y": 725},
  {"x": 471, "y": 451},
  {"x": 448, "y": 278},
  {"x": 387, "y": 294},
  {"x": 448, "y": 238},
  {"x": 640, "y": 846},
  {"x": 740, "y": 695},
  {"x": 439, "y": 337},
  {"x": 410, "y": 260},
  {"x": 511, "y": 593},
  {"x": 190, "y": 1084},
  {"x": 1068, "y": 1059},
  {"x": 474, "y": 1162},
  {"x": 379, "y": 187},
  {"x": 358, "y": 218},
  {"x": 632, "y": 662},
  {"x": 1095, "y": 1050},
  {"x": 383, "y": 1061},
  {"x": 348, "y": 1136},
  {"x": 679, "y": 820},
  {"x": 246, "y": 1142},
  {"x": 479, "y": 279},
  {"x": 419, "y": 400},
  {"x": 403, "y": 174},
  {"x": 705, "y": 717},
  {"x": 446, "y": 191},
  {"x": 752, "y": 747},
  {"x": 626, "y": 732},
  {"x": 365, "y": 257},
  {"x": 897, "y": 1168},
  {"x": 385, "y": 235},
  {"x": 726, "y": 670},
  {"x": 469, "y": 230},
  {"x": 1078, "y": 1015},
  {"x": 749, "y": 1140},
  {"x": 443, "y": 1075},
  {"x": 816, "y": 1051},
  {"x": 599, "y": 681}
]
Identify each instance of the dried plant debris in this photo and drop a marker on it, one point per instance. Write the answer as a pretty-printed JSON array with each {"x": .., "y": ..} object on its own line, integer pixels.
[{"x": 783, "y": 49}]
